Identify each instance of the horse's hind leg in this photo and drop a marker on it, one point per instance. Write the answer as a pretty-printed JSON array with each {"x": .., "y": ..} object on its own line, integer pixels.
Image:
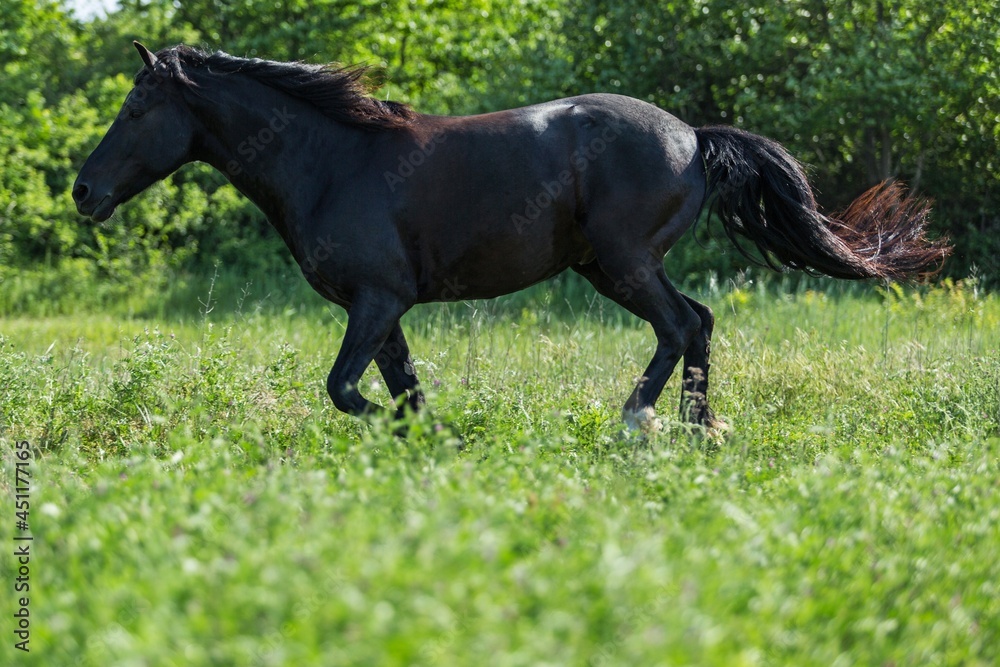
[
  {"x": 694, "y": 388},
  {"x": 396, "y": 365},
  {"x": 643, "y": 289}
]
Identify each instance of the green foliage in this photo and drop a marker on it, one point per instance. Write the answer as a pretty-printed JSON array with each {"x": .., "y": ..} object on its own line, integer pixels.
[
  {"x": 198, "y": 501},
  {"x": 37, "y": 43}
]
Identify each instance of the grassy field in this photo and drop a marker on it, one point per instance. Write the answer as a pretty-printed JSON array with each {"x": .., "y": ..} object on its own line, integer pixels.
[{"x": 196, "y": 500}]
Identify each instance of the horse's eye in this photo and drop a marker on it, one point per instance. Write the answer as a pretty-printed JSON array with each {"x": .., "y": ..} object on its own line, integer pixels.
[{"x": 135, "y": 113}]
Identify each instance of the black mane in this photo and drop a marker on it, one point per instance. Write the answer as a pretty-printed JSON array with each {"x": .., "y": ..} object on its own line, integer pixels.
[{"x": 340, "y": 93}]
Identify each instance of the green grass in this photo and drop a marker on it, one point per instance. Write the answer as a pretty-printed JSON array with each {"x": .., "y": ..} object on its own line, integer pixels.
[{"x": 198, "y": 501}]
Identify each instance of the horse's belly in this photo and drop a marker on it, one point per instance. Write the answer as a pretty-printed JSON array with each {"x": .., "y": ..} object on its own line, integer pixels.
[{"x": 486, "y": 265}]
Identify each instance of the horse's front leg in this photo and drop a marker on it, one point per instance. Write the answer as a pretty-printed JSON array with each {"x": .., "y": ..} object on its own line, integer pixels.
[
  {"x": 371, "y": 319},
  {"x": 396, "y": 365}
]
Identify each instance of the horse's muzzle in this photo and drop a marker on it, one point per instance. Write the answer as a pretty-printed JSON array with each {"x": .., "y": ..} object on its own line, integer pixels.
[{"x": 98, "y": 208}]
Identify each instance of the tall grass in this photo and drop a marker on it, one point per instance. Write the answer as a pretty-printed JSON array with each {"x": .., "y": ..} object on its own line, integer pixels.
[{"x": 200, "y": 502}]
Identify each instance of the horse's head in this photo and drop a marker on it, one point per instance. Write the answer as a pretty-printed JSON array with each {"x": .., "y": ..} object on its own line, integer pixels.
[{"x": 151, "y": 138}]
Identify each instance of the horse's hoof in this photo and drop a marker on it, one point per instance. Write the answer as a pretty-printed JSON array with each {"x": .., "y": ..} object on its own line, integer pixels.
[
  {"x": 643, "y": 420},
  {"x": 716, "y": 430}
]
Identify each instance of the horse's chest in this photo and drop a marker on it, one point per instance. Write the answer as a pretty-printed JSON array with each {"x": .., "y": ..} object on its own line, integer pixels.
[{"x": 328, "y": 289}]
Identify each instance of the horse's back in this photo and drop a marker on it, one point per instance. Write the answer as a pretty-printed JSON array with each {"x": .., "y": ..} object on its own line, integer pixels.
[{"x": 512, "y": 197}]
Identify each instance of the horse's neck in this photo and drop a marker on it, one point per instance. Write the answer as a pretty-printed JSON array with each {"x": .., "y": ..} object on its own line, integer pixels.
[{"x": 260, "y": 140}]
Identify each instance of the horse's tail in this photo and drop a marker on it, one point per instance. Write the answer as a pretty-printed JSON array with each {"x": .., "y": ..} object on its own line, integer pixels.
[{"x": 760, "y": 192}]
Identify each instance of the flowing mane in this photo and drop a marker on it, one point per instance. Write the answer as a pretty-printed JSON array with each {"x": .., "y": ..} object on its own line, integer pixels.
[{"x": 340, "y": 93}]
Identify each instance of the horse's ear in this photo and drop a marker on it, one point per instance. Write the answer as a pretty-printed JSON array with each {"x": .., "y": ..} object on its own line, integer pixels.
[{"x": 148, "y": 57}]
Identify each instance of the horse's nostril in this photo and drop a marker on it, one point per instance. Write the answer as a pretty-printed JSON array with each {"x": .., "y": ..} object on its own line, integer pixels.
[{"x": 80, "y": 192}]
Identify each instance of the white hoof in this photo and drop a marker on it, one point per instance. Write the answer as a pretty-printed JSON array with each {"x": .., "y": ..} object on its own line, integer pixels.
[{"x": 643, "y": 420}]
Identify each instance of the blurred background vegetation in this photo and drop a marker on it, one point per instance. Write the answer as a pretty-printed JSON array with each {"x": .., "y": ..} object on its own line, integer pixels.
[{"x": 860, "y": 90}]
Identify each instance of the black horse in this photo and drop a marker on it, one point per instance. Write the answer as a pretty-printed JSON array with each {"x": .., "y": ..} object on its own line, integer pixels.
[{"x": 384, "y": 208}]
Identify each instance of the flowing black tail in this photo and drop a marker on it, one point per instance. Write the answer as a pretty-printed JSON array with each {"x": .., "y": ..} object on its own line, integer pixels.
[{"x": 760, "y": 192}]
